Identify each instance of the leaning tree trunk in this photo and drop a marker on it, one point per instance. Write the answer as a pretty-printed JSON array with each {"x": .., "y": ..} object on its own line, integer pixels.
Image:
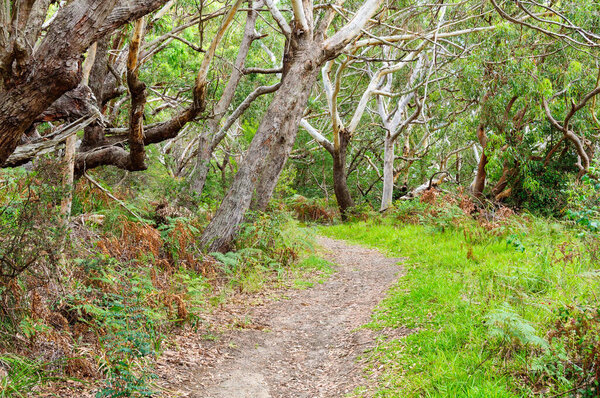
[
  {"x": 340, "y": 182},
  {"x": 21, "y": 105},
  {"x": 273, "y": 166},
  {"x": 277, "y": 130},
  {"x": 388, "y": 172}
]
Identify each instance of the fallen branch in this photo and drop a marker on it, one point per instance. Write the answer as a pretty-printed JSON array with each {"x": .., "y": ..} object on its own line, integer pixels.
[
  {"x": 110, "y": 195},
  {"x": 47, "y": 144}
]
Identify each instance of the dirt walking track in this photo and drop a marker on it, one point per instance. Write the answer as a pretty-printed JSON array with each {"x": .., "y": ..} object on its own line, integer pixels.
[{"x": 304, "y": 346}]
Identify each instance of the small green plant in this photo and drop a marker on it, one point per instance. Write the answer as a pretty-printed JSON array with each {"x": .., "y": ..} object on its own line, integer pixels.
[
  {"x": 234, "y": 262},
  {"x": 550, "y": 367},
  {"x": 21, "y": 375},
  {"x": 511, "y": 330},
  {"x": 131, "y": 336},
  {"x": 360, "y": 212},
  {"x": 514, "y": 241}
]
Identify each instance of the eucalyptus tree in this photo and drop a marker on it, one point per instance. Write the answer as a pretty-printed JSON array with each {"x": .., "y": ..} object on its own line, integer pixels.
[
  {"x": 40, "y": 52},
  {"x": 309, "y": 47},
  {"x": 536, "y": 99}
]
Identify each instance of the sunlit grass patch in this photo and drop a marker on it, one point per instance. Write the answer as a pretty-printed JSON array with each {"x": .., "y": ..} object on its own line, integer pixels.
[{"x": 482, "y": 307}]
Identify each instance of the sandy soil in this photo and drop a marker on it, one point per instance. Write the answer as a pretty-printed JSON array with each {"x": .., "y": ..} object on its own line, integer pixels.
[
  {"x": 280, "y": 344},
  {"x": 304, "y": 345}
]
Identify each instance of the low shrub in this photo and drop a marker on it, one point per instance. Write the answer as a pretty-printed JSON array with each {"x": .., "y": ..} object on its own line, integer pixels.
[
  {"x": 576, "y": 346},
  {"x": 584, "y": 204},
  {"x": 33, "y": 240},
  {"x": 311, "y": 210},
  {"x": 361, "y": 212}
]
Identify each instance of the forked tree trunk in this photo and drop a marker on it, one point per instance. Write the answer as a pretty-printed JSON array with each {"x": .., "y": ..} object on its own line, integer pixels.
[
  {"x": 388, "y": 172},
  {"x": 479, "y": 183},
  {"x": 340, "y": 178},
  {"x": 266, "y": 155},
  {"x": 277, "y": 131}
]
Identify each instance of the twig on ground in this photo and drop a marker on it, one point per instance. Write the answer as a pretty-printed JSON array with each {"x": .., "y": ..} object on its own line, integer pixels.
[{"x": 120, "y": 202}]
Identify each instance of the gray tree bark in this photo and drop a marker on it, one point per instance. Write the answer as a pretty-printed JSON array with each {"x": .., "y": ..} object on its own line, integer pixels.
[
  {"x": 46, "y": 72},
  {"x": 274, "y": 164},
  {"x": 209, "y": 140},
  {"x": 271, "y": 143},
  {"x": 388, "y": 171}
]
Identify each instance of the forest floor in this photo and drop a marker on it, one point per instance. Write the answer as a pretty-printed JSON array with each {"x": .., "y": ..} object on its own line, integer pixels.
[{"x": 306, "y": 344}]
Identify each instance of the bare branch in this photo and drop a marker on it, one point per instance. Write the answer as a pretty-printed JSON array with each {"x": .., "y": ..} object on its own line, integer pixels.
[
  {"x": 265, "y": 71},
  {"x": 299, "y": 15},
  {"x": 351, "y": 30},
  {"x": 262, "y": 90},
  {"x": 285, "y": 27},
  {"x": 49, "y": 143},
  {"x": 325, "y": 143}
]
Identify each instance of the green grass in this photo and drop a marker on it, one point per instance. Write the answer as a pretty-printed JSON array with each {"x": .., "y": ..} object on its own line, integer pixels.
[
  {"x": 21, "y": 375},
  {"x": 283, "y": 254},
  {"x": 460, "y": 287},
  {"x": 310, "y": 270}
]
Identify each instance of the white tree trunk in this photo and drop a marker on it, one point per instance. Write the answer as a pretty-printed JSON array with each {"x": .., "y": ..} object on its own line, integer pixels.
[{"x": 388, "y": 172}]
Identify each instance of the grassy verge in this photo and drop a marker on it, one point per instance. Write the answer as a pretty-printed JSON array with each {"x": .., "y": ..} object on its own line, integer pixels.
[{"x": 505, "y": 313}]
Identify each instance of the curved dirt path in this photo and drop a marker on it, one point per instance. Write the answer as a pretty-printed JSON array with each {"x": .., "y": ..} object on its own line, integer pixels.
[{"x": 305, "y": 346}]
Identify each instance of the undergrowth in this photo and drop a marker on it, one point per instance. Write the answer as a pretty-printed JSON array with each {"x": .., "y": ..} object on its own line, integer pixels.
[
  {"x": 493, "y": 304},
  {"x": 311, "y": 210},
  {"x": 97, "y": 297}
]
